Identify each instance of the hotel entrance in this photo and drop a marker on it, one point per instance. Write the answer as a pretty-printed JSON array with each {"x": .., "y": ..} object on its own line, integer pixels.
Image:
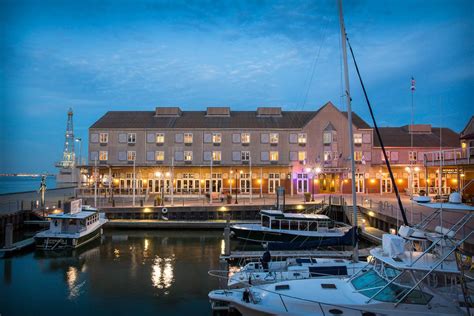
[
  {"x": 159, "y": 185},
  {"x": 302, "y": 182},
  {"x": 328, "y": 183},
  {"x": 216, "y": 183}
]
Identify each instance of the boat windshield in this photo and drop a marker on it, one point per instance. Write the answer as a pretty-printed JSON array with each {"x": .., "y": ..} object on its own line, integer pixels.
[{"x": 370, "y": 283}]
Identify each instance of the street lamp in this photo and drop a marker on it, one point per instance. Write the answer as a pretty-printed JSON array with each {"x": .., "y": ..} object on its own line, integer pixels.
[
  {"x": 236, "y": 190},
  {"x": 315, "y": 171}
]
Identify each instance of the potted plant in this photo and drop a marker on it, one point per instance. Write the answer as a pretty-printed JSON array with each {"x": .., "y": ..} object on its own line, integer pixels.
[
  {"x": 158, "y": 201},
  {"x": 307, "y": 196}
]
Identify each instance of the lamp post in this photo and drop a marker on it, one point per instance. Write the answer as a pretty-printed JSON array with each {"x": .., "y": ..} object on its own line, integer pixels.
[
  {"x": 230, "y": 182},
  {"x": 315, "y": 171},
  {"x": 236, "y": 190},
  {"x": 79, "y": 140}
]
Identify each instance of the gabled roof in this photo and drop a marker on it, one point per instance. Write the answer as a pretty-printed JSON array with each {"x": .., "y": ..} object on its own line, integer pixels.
[
  {"x": 468, "y": 131},
  {"x": 357, "y": 120},
  {"x": 198, "y": 119},
  {"x": 400, "y": 137}
]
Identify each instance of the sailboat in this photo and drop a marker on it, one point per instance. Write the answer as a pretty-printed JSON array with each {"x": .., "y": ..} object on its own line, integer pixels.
[{"x": 411, "y": 274}]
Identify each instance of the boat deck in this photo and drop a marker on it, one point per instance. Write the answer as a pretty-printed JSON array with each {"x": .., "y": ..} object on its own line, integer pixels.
[{"x": 235, "y": 255}]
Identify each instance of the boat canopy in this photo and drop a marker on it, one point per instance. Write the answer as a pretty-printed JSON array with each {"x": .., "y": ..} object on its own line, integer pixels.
[{"x": 80, "y": 215}]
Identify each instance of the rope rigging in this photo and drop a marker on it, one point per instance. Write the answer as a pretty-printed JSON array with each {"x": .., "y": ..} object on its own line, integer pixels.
[{"x": 379, "y": 137}]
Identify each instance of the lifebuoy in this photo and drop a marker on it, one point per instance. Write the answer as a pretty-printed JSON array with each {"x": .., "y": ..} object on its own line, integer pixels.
[{"x": 164, "y": 210}]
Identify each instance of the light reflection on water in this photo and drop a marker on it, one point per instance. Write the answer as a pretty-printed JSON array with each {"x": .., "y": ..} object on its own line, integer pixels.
[
  {"x": 162, "y": 272},
  {"x": 154, "y": 272}
]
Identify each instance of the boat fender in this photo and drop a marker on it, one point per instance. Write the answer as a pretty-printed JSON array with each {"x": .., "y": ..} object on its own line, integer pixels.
[{"x": 164, "y": 210}]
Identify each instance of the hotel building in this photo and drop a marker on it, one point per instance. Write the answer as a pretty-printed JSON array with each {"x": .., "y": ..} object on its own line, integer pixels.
[{"x": 219, "y": 150}]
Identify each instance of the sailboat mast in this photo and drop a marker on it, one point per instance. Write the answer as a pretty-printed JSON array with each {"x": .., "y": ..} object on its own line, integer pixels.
[{"x": 351, "y": 134}]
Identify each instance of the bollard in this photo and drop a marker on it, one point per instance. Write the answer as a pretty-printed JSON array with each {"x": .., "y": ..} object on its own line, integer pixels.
[
  {"x": 9, "y": 235},
  {"x": 227, "y": 237}
]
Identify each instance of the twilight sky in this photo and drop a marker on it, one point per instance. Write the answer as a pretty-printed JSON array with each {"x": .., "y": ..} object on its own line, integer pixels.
[{"x": 96, "y": 56}]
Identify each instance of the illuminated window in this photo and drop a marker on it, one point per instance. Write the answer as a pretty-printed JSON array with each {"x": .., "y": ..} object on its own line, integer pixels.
[
  {"x": 327, "y": 138},
  {"x": 274, "y": 156},
  {"x": 273, "y": 138},
  {"x": 302, "y": 138},
  {"x": 245, "y": 155},
  {"x": 302, "y": 155},
  {"x": 104, "y": 138},
  {"x": 132, "y": 137},
  {"x": 357, "y": 156},
  {"x": 188, "y": 138},
  {"x": 188, "y": 156},
  {"x": 216, "y": 138},
  {"x": 327, "y": 155},
  {"x": 216, "y": 156},
  {"x": 159, "y": 155},
  {"x": 358, "y": 139},
  {"x": 131, "y": 155},
  {"x": 412, "y": 155},
  {"x": 103, "y": 155},
  {"x": 160, "y": 138},
  {"x": 245, "y": 138}
]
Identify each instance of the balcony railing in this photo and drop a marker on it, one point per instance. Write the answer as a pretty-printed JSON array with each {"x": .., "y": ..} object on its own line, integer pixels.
[{"x": 449, "y": 157}]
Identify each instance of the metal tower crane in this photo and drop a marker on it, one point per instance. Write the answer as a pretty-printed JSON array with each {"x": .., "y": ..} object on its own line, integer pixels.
[{"x": 69, "y": 155}]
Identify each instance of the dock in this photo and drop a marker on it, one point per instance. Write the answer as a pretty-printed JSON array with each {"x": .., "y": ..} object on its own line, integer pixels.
[
  {"x": 238, "y": 255},
  {"x": 171, "y": 224},
  {"x": 19, "y": 245}
]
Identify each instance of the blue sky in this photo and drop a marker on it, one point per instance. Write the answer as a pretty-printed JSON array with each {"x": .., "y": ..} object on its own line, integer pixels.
[{"x": 96, "y": 56}]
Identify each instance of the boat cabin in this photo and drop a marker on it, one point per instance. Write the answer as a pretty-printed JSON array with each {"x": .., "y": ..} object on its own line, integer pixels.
[
  {"x": 66, "y": 223},
  {"x": 278, "y": 220}
]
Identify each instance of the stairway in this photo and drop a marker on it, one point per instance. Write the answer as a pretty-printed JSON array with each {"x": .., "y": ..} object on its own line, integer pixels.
[{"x": 350, "y": 215}]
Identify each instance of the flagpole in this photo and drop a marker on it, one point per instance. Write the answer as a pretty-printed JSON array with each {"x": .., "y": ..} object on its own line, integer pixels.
[{"x": 411, "y": 143}]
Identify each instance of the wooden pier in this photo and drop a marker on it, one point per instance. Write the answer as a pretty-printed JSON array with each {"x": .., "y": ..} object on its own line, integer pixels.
[{"x": 19, "y": 245}]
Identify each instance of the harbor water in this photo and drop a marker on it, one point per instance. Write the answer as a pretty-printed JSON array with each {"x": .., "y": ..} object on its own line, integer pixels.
[
  {"x": 10, "y": 184},
  {"x": 135, "y": 272}
]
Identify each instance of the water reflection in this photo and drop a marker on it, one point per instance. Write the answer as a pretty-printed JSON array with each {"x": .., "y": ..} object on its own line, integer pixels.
[
  {"x": 162, "y": 276},
  {"x": 74, "y": 287}
]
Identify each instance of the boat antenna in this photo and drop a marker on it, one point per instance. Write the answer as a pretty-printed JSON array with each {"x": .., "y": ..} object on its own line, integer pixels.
[
  {"x": 351, "y": 135},
  {"x": 387, "y": 162}
]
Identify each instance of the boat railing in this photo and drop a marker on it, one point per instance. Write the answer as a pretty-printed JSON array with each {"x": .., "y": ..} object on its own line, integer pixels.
[
  {"x": 428, "y": 273},
  {"x": 433, "y": 268}
]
